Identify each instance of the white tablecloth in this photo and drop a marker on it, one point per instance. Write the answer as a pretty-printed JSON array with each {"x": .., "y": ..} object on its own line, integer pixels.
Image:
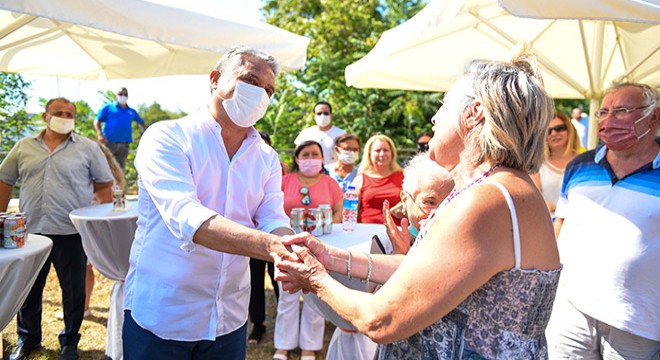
[
  {"x": 107, "y": 236},
  {"x": 349, "y": 345},
  {"x": 18, "y": 271}
]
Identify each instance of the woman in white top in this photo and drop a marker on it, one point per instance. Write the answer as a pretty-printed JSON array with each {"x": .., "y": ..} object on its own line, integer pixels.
[{"x": 562, "y": 144}]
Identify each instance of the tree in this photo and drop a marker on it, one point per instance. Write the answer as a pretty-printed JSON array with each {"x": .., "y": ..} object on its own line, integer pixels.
[
  {"x": 341, "y": 32},
  {"x": 16, "y": 122}
]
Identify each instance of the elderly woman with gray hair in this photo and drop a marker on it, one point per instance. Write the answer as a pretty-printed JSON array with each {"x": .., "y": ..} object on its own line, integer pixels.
[
  {"x": 481, "y": 278},
  {"x": 425, "y": 185}
]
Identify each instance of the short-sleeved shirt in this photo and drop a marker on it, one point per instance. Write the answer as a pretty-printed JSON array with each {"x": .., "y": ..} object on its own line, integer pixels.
[
  {"x": 325, "y": 138},
  {"x": 54, "y": 184},
  {"x": 374, "y": 192},
  {"x": 117, "y": 122},
  {"x": 345, "y": 182},
  {"x": 325, "y": 191},
  {"x": 609, "y": 242}
]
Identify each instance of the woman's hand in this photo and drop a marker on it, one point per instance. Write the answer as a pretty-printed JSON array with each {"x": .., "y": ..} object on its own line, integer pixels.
[
  {"x": 318, "y": 248},
  {"x": 306, "y": 274},
  {"x": 400, "y": 238}
]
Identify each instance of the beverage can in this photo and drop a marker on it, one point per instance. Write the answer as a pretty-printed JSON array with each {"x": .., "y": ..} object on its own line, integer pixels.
[
  {"x": 298, "y": 220},
  {"x": 3, "y": 215},
  {"x": 118, "y": 198},
  {"x": 314, "y": 221},
  {"x": 14, "y": 231},
  {"x": 327, "y": 218}
]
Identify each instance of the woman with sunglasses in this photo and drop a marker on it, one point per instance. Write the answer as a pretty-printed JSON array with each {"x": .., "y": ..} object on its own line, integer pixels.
[
  {"x": 305, "y": 187},
  {"x": 562, "y": 145}
]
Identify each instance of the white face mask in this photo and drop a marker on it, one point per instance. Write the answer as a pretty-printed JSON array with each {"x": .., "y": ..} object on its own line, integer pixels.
[
  {"x": 322, "y": 120},
  {"x": 122, "y": 99},
  {"x": 61, "y": 125},
  {"x": 248, "y": 105},
  {"x": 348, "y": 157}
]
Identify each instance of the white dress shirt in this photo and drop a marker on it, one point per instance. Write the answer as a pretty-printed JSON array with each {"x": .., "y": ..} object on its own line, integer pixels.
[{"x": 175, "y": 288}]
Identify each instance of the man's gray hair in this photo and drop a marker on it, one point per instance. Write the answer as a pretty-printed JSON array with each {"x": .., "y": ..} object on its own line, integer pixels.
[
  {"x": 651, "y": 95},
  {"x": 235, "y": 57},
  {"x": 421, "y": 169}
]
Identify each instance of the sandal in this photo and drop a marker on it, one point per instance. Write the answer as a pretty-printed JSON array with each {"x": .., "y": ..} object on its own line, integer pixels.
[
  {"x": 311, "y": 356},
  {"x": 256, "y": 334},
  {"x": 281, "y": 355}
]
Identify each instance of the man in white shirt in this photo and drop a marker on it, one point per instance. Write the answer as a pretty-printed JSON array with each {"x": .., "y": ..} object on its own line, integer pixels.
[
  {"x": 581, "y": 126},
  {"x": 323, "y": 132},
  {"x": 209, "y": 198}
]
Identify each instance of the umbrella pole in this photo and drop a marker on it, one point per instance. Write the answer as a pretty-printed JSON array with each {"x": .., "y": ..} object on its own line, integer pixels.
[{"x": 594, "y": 105}]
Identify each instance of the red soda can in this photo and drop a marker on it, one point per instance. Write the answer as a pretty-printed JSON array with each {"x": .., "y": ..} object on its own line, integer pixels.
[
  {"x": 298, "y": 216},
  {"x": 314, "y": 221},
  {"x": 3, "y": 215},
  {"x": 14, "y": 231},
  {"x": 327, "y": 218}
]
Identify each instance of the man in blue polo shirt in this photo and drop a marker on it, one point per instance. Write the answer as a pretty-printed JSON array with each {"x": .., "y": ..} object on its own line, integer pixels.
[
  {"x": 608, "y": 225},
  {"x": 117, "y": 133}
]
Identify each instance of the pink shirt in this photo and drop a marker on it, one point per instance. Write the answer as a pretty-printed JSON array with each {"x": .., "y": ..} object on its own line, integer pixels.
[{"x": 325, "y": 191}]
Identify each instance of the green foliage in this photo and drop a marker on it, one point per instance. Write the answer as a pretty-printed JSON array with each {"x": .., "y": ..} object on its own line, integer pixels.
[
  {"x": 15, "y": 122},
  {"x": 341, "y": 32}
]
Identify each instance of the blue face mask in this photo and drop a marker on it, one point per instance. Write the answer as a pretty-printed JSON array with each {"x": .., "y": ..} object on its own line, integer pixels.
[{"x": 413, "y": 231}]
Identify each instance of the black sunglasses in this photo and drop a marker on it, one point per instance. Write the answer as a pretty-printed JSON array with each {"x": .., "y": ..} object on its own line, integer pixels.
[
  {"x": 558, "y": 128},
  {"x": 304, "y": 191}
]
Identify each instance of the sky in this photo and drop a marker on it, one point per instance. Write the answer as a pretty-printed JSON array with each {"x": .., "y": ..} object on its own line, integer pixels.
[{"x": 145, "y": 91}]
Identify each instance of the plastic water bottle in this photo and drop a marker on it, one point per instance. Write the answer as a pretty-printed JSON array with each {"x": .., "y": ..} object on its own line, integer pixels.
[
  {"x": 349, "y": 216},
  {"x": 118, "y": 198}
]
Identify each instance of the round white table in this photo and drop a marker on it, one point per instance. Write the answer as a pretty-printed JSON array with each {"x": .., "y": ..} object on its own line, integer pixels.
[
  {"x": 107, "y": 235},
  {"x": 346, "y": 342},
  {"x": 18, "y": 270}
]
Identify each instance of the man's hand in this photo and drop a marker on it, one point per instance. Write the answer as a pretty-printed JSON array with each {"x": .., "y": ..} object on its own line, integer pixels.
[
  {"x": 102, "y": 139},
  {"x": 318, "y": 248}
]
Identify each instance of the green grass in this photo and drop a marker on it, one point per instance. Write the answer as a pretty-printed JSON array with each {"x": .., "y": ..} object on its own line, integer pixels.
[{"x": 93, "y": 330}]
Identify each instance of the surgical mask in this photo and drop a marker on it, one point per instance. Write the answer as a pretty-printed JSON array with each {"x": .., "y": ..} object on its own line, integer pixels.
[
  {"x": 322, "y": 120},
  {"x": 618, "y": 134},
  {"x": 122, "y": 99},
  {"x": 412, "y": 229},
  {"x": 348, "y": 157},
  {"x": 310, "y": 167},
  {"x": 61, "y": 125},
  {"x": 248, "y": 105}
]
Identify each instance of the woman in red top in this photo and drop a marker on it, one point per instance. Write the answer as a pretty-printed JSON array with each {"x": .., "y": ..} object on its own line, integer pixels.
[{"x": 380, "y": 179}]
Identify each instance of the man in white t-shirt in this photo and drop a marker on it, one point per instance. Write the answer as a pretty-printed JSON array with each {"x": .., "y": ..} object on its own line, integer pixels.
[
  {"x": 581, "y": 126},
  {"x": 323, "y": 132}
]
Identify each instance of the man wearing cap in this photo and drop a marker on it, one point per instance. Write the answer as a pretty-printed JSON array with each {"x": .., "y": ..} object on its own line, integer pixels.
[{"x": 117, "y": 132}]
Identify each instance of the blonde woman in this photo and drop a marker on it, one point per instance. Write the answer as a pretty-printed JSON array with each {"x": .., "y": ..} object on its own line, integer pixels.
[
  {"x": 379, "y": 179},
  {"x": 480, "y": 280},
  {"x": 562, "y": 145}
]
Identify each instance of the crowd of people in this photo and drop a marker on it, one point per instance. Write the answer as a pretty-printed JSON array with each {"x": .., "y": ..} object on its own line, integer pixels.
[{"x": 500, "y": 199}]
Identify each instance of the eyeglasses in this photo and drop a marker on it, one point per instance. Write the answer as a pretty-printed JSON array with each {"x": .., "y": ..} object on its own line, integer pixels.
[
  {"x": 424, "y": 208},
  {"x": 557, "y": 129},
  {"x": 619, "y": 112},
  {"x": 323, "y": 113},
  {"x": 122, "y": 94},
  {"x": 304, "y": 191}
]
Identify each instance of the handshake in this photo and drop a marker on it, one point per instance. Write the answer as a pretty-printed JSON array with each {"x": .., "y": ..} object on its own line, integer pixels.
[{"x": 303, "y": 263}]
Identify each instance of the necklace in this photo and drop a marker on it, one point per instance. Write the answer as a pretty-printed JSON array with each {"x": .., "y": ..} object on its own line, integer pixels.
[{"x": 454, "y": 193}]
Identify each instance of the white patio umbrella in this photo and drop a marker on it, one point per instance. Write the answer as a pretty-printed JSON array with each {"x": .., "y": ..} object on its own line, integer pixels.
[
  {"x": 578, "y": 58},
  {"x": 128, "y": 39}
]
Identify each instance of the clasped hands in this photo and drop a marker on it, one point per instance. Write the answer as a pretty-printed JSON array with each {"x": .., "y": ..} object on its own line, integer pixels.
[{"x": 306, "y": 270}]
